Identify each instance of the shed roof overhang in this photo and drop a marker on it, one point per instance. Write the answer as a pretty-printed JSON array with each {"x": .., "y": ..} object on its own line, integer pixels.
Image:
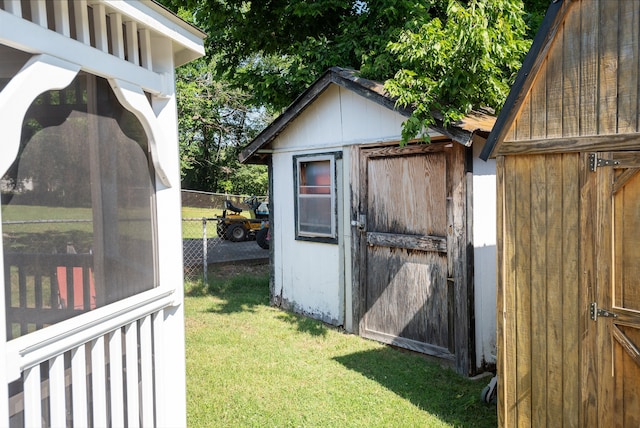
[
  {"x": 526, "y": 75},
  {"x": 258, "y": 151}
]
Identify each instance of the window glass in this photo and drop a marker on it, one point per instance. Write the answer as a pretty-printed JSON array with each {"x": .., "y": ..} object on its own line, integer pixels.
[
  {"x": 315, "y": 194},
  {"x": 77, "y": 208}
]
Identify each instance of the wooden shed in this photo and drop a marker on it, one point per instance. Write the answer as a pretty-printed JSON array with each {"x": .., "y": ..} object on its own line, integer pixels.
[
  {"x": 376, "y": 237},
  {"x": 567, "y": 146},
  {"x": 91, "y": 309}
]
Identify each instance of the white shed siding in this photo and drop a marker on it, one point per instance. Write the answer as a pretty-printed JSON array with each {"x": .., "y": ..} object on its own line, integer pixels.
[
  {"x": 484, "y": 243},
  {"x": 366, "y": 121},
  {"x": 315, "y": 278},
  {"x": 310, "y": 276},
  {"x": 340, "y": 117}
]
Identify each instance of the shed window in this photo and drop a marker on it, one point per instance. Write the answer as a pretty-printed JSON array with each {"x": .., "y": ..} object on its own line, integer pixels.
[
  {"x": 316, "y": 197},
  {"x": 78, "y": 211}
]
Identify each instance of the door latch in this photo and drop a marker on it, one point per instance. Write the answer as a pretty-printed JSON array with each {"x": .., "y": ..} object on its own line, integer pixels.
[
  {"x": 361, "y": 223},
  {"x": 596, "y": 312}
]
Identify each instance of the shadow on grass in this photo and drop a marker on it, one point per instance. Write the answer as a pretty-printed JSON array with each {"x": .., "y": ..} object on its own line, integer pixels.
[
  {"x": 429, "y": 386},
  {"x": 304, "y": 324},
  {"x": 243, "y": 293},
  {"x": 239, "y": 293}
]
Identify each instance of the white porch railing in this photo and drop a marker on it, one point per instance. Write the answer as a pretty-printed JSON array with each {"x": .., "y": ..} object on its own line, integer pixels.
[{"x": 93, "y": 370}]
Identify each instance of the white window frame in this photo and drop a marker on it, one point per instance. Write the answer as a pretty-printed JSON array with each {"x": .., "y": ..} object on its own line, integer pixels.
[{"x": 301, "y": 233}]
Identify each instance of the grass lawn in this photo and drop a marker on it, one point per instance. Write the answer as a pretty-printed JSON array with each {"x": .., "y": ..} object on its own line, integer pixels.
[{"x": 252, "y": 365}]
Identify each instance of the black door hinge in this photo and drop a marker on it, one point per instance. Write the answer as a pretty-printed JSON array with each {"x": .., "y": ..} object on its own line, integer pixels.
[{"x": 595, "y": 162}]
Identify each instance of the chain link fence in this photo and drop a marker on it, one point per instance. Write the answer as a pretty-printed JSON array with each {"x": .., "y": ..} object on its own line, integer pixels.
[
  {"x": 204, "y": 243},
  {"x": 209, "y": 238}
]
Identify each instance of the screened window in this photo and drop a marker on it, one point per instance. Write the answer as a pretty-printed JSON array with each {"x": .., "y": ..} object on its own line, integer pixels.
[
  {"x": 316, "y": 197},
  {"x": 78, "y": 216}
]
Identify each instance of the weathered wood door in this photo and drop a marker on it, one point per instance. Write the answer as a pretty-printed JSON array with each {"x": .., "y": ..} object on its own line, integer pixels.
[
  {"x": 616, "y": 309},
  {"x": 413, "y": 258}
]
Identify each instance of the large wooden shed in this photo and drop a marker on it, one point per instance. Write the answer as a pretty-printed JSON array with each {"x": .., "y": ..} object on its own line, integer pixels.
[
  {"x": 376, "y": 237},
  {"x": 567, "y": 147}
]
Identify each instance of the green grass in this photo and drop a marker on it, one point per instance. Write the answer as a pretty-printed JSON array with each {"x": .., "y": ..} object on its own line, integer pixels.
[
  {"x": 192, "y": 229},
  {"x": 193, "y": 212},
  {"x": 252, "y": 365},
  {"x": 34, "y": 236}
]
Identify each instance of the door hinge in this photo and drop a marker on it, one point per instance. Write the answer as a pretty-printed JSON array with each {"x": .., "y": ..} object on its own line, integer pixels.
[
  {"x": 596, "y": 312},
  {"x": 595, "y": 162}
]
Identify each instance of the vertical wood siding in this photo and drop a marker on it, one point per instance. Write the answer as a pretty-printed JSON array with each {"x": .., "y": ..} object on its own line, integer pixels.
[
  {"x": 588, "y": 84},
  {"x": 539, "y": 330}
]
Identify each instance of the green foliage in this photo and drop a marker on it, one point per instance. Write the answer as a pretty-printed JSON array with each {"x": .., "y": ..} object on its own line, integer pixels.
[
  {"x": 467, "y": 61},
  {"x": 215, "y": 122},
  {"x": 275, "y": 49},
  {"x": 447, "y": 56}
]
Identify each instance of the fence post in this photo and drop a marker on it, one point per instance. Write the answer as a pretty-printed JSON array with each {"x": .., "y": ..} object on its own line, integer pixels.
[{"x": 204, "y": 250}]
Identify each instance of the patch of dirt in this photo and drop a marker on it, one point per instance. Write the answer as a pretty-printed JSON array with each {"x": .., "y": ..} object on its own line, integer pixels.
[{"x": 228, "y": 270}]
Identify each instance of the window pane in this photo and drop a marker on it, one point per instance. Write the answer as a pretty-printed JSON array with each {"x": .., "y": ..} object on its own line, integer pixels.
[
  {"x": 315, "y": 198},
  {"x": 77, "y": 208},
  {"x": 315, "y": 214},
  {"x": 315, "y": 177}
]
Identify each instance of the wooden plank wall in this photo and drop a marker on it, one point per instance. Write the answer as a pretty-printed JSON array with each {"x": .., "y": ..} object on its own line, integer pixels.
[
  {"x": 538, "y": 290},
  {"x": 588, "y": 84}
]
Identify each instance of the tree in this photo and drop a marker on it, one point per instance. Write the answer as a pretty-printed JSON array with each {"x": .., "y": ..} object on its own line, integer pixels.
[
  {"x": 215, "y": 122},
  {"x": 446, "y": 55},
  {"x": 467, "y": 61},
  {"x": 273, "y": 49}
]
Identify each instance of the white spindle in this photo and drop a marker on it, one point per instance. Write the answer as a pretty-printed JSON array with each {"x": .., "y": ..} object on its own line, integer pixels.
[
  {"x": 131, "y": 353},
  {"x": 57, "y": 402},
  {"x": 32, "y": 397},
  {"x": 81, "y": 14},
  {"x": 100, "y": 26},
  {"x": 14, "y": 7},
  {"x": 39, "y": 12},
  {"x": 79, "y": 385},
  {"x": 117, "y": 37},
  {"x": 61, "y": 13},
  {"x": 161, "y": 365},
  {"x": 146, "y": 369},
  {"x": 131, "y": 27},
  {"x": 98, "y": 383},
  {"x": 116, "y": 390},
  {"x": 145, "y": 49}
]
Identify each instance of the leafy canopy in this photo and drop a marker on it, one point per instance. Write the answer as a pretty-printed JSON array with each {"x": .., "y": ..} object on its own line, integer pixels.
[
  {"x": 215, "y": 121},
  {"x": 273, "y": 49},
  {"x": 444, "y": 55},
  {"x": 448, "y": 56},
  {"x": 468, "y": 61}
]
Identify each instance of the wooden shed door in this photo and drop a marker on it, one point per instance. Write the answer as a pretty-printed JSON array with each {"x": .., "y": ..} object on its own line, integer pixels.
[
  {"x": 408, "y": 197},
  {"x": 617, "y": 307}
]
